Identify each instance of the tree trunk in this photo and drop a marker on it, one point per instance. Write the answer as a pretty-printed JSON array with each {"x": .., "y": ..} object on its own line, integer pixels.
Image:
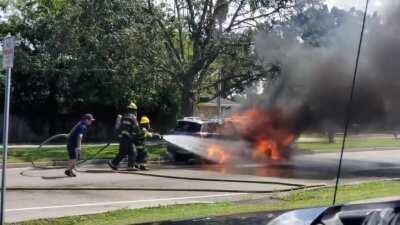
[
  {"x": 187, "y": 103},
  {"x": 187, "y": 96}
]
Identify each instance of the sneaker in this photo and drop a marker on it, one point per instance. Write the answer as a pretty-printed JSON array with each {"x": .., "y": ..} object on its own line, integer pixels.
[
  {"x": 133, "y": 168},
  {"x": 112, "y": 166},
  {"x": 143, "y": 167},
  {"x": 69, "y": 173}
]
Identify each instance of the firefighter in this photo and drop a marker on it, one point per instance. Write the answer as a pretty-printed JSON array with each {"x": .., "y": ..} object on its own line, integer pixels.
[
  {"x": 127, "y": 129},
  {"x": 145, "y": 133}
]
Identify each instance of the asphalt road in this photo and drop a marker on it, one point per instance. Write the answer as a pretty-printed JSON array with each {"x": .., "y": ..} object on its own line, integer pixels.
[
  {"x": 31, "y": 204},
  {"x": 307, "y": 169}
]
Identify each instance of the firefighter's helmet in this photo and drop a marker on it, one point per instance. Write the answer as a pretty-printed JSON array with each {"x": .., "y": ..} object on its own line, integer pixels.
[
  {"x": 144, "y": 120},
  {"x": 132, "y": 106}
]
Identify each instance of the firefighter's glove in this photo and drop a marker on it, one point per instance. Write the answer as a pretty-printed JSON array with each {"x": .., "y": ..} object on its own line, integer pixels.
[{"x": 158, "y": 136}]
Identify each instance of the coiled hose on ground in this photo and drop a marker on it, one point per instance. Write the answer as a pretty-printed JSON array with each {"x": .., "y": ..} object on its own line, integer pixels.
[{"x": 64, "y": 136}]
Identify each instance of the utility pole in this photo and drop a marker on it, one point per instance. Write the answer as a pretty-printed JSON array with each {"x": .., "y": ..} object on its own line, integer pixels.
[
  {"x": 223, "y": 6},
  {"x": 219, "y": 82}
]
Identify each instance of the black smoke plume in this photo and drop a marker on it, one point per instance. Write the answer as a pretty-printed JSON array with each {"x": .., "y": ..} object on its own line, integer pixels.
[{"x": 315, "y": 82}]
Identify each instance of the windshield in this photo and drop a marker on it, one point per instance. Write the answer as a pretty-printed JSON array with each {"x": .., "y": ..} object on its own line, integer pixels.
[
  {"x": 191, "y": 127},
  {"x": 127, "y": 112}
]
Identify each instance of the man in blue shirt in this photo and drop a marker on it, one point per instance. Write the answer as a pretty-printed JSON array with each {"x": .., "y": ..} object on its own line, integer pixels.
[{"x": 75, "y": 141}]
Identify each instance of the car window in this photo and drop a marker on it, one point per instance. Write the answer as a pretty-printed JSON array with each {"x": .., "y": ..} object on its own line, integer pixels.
[{"x": 185, "y": 126}]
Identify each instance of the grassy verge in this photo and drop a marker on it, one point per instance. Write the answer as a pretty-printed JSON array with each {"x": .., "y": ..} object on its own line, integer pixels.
[
  {"x": 157, "y": 151},
  {"x": 60, "y": 154},
  {"x": 299, "y": 199},
  {"x": 350, "y": 144}
]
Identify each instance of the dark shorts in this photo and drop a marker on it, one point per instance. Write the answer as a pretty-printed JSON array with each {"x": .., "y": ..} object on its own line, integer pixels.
[{"x": 73, "y": 153}]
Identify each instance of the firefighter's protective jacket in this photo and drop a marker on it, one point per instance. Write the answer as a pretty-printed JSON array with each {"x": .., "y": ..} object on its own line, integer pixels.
[{"x": 129, "y": 127}]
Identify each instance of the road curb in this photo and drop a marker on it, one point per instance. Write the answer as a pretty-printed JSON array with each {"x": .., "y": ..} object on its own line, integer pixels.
[
  {"x": 64, "y": 163},
  {"x": 283, "y": 190}
]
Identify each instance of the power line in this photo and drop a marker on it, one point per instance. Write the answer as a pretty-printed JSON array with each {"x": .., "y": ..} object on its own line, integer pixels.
[{"x": 350, "y": 104}]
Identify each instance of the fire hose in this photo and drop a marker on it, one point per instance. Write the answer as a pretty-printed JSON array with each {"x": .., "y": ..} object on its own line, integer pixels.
[
  {"x": 54, "y": 137},
  {"x": 292, "y": 186}
]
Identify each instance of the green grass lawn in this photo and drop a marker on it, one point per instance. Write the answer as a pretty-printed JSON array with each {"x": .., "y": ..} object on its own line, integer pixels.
[
  {"x": 351, "y": 143},
  {"x": 60, "y": 154},
  {"x": 298, "y": 199}
]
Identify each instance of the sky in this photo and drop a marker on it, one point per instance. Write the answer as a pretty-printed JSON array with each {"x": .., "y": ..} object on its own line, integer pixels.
[{"x": 359, "y": 4}]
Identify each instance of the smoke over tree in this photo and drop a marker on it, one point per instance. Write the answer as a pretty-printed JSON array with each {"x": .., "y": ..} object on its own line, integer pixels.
[{"x": 316, "y": 79}]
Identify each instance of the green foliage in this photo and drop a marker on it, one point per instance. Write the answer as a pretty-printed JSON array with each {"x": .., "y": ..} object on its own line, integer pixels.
[
  {"x": 352, "y": 143},
  {"x": 60, "y": 154},
  {"x": 76, "y": 56},
  {"x": 85, "y": 55}
]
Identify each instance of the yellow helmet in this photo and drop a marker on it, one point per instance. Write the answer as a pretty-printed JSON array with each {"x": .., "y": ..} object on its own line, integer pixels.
[
  {"x": 144, "y": 120},
  {"x": 132, "y": 106}
]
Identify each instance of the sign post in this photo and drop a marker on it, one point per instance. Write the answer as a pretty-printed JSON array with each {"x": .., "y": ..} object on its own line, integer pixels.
[{"x": 8, "y": 62}]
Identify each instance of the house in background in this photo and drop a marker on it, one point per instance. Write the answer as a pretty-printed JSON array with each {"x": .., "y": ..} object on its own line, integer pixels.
[{"x": 209, "y": 110}]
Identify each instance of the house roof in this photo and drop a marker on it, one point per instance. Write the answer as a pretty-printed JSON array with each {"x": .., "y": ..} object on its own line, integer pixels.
[{"x": 224, "y": 102}]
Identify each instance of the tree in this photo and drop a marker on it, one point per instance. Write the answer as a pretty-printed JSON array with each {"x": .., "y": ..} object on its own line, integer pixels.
[
  {"x": 86, "y": 55},
  {"x": 196, "y": 33}
]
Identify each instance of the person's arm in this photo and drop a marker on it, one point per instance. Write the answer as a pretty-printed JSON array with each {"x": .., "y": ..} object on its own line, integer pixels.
[
  {"x": 79, "y": 141},
  {"x": 81, "y": 132},
  {"x": 135, "y": 125},
  {"x": 147, "y": 134},
  {"x": 118, "y": 122}
]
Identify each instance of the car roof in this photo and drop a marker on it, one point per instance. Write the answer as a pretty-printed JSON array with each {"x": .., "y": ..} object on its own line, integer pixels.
[{"x": 197, "y": 120}]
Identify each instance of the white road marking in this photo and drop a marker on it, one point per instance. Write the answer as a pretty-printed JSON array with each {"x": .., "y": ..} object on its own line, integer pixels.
[{"x": 122, "y": 202}]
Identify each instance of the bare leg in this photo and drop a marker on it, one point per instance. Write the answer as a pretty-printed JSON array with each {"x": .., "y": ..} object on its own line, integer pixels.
[{"x": 71, "y": 164}]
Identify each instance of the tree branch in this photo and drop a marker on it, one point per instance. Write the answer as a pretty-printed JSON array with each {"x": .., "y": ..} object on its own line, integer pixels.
[
  {"x": 264, "y": 15},
  {"x": 178, "y": 12},
  {"x": 173, "y": 74},
  {"x": 203, "y": 14},
  {"x": 254, "y": 18},
  {"x": 202, "y": 75},
  {"x": 167, "y": 37},
  {"x": 229, "y": 28},
  {"x": 192, "y": 20},
  {"x": 246, "y": 77}
]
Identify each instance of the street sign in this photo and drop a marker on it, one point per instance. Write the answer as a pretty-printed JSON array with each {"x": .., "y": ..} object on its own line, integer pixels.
[
  {"x": 8, "y": 52},
  {"x": 8, "y": 61}
]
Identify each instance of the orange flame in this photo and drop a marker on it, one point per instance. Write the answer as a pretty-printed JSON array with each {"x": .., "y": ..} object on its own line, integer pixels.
[
  {"x": 272, "y": 148},
  {"x": 268, "y": 132},
  {"x": 263, "y": 147},
  {"x": 217, "y": 152}
]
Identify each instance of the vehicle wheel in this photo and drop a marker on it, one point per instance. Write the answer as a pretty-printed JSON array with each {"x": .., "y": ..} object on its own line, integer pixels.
[{"x": 182, "y": 157}]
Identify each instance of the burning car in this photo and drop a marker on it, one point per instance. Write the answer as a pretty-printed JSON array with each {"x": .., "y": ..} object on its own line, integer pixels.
[
  {"x": 254, "y": 133},
  {"x": 191, "y": 126}
]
